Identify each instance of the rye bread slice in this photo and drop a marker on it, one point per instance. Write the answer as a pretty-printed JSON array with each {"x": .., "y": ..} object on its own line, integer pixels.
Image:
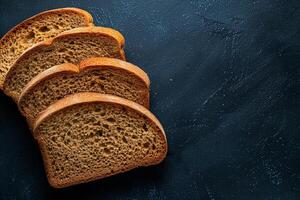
[
  {"x": 36, "y": 29},
  {"x": 102, "y": 75},
  {"x": 68, "y": 47},
  {"x": 89, "y": 136}
]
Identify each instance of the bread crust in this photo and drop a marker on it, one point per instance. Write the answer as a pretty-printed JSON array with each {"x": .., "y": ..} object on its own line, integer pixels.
[
  {"x": 85, "y": 98},
  {"x": 83, "y": 30},
  {"x": 88, "y": 17},
  {"x": 90, "y": 97},
  {"x": 116, "y": 63},
  {"x": 88, "y": 64}
]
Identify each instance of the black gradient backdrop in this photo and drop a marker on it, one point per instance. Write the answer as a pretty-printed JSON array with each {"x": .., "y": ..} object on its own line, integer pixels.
[{"x": 225, "y": 85}]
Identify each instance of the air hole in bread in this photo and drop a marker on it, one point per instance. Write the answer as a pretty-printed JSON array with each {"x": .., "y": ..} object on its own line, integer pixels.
[
  {"x": 48, "y": 50},
  {"x": 134, "y": 137},
  {"x": 93, "y": 119},
  {"x": 145, "y": 127},
  {"x": 12, "y": 49},
  {"x": 44, "y": 29},
  {"x": 98, "y": 109},
  {"x": 101, "y": 86},
  {"x": 62, "y": 50},
  {"x": 111, "y": 120},
  {"x": 106, "y": 151},
  {"x": 124, "y": 139},
  {"x": 30, "y": 35},
  {"x": 106, "y": 126},
  {"x": 146, "y": 145},
  {"x": 102, "y": 114},
  {"x": 93, "y": 83},
  {"x": 99, "y": 132},
  {"x": 68, "y": 60}
]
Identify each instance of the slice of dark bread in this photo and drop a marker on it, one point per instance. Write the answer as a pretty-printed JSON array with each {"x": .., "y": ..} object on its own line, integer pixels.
[
  {"x": 102, "y": 75},
  {"x": 88, "y": 136},
  {"x": 36, "y": 29},
  {"x": 69, "y": 47}
]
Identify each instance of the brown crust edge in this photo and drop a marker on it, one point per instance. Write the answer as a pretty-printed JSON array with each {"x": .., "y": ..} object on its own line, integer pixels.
[
  {"x": 82, "y": 98},
  {"x": 93, "y": 30},
  {"x": 112, "y": 62},
  {"x": 87, "y": 15},
  {"x": 90, "y": 63},
  {"x": 66, "y": 68},
  {"x": 56, "y": 184},
  {"x": 89, "y": 97}
]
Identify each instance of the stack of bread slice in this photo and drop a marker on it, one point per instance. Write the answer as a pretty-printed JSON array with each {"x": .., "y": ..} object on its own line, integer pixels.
[{"x": 87, "y": 108}]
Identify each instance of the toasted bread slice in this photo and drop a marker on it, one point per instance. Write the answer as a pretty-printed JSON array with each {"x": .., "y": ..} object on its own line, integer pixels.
[
  {"x": 88, "y": 136},
  {"x": 36, "y": 29},
  {"x": 102, "y": 75},
  {"x": 69, "y": 47}
]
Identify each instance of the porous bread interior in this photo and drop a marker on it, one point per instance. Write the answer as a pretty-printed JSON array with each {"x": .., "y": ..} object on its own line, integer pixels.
[
  {"x": 36, "y": 30},
  {"x": 97, "y": 140},
  {"x": 104, "y": 80},
  {"x": 69, "y": 49}
]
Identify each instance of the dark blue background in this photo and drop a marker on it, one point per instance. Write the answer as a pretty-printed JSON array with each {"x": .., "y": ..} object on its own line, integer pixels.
[{"x": 225, "y": 84}]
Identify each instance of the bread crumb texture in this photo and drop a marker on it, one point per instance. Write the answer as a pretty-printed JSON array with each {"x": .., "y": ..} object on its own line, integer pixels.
[
  {"x": 71, "y": 48},
  {"x": 101, "y": 80},
  {"x": 35, "y": 30},
  {"x": 95, "y": 140}
]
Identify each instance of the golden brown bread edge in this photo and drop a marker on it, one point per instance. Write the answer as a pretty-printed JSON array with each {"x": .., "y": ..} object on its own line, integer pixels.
[
  {"x": 96, "y": 30},
  {"x": 92, "y": 30},
  {"x": 82, "y": 98},
  {"x": 90, "y": 97},
  {"x": 90, "y": 63},
  {"x": 88, "y": 17}
]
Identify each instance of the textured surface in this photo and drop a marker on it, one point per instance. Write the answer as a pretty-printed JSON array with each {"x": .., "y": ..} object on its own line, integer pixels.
[
  {"x": 38, "y": 28},
  {"x": 62, "y": 80},
  {"x": 225, "y": 85},
  {"x": 69, "y": 47},
  {"x": 82, "y": 142}
]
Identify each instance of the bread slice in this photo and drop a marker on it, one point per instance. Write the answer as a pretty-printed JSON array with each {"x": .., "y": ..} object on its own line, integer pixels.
[
  {"x": 88, "y": 136},
  {"x": 102, "y": 75},
  {"x": 69, "y": 47},
  {"x": 36, "y": 29}
]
